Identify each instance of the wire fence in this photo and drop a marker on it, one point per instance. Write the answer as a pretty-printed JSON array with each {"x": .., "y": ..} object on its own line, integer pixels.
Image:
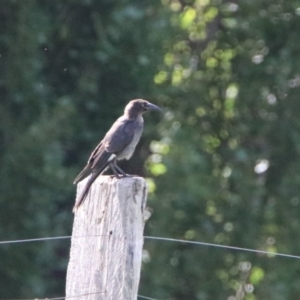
[
  {"x": 69, "y": 297},
  {"x": 270, "y": 253},
  {"x": 165, "y": 239}
]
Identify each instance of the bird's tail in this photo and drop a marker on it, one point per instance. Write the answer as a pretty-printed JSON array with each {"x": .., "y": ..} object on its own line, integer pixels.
[
  {"x": 84, "y": 193},
  {"x": 84, "y": 173},
  {"x": 86, "y": 189}
]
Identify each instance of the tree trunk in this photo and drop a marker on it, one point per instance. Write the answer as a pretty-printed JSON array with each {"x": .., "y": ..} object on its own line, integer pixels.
[{"x": 107, "y": 240}]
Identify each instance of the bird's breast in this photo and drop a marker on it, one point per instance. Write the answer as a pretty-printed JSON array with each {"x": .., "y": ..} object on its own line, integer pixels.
[{"x": 128, "y": 151}]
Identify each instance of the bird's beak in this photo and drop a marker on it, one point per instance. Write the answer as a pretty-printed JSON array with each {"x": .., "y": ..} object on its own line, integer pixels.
[{"x": 153, "y": 107}]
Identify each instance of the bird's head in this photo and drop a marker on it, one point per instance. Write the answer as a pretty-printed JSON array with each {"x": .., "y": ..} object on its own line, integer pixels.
[{"x": 139, "y": 106}]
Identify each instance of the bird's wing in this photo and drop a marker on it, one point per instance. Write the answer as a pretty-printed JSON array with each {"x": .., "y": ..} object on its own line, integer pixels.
[
  {"x": 120, "y": 135},
  {"x": 84, "y": 173},
  {"x": 116, "y": 139},
  {"x": 97, "y": 155}
]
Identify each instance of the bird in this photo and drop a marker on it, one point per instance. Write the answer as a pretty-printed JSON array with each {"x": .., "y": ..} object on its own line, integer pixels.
[{"x": 119, "y": 143}]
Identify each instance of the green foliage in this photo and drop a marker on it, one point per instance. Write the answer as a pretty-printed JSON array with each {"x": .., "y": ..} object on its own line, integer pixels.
[
  {"x": 224, "y": 168},
  {"x": 230, "y": 81}
]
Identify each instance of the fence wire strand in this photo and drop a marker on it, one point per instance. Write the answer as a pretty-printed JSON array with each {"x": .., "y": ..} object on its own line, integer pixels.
[
  {"x": 49, "y": 239},
  {"x": 223, "y": 246},
  {"x": 62, "y": 298},
  {"x": 59, "y": 298},
  {"x": 159, "y": 239},
  {"x": 147, "y": 298}
]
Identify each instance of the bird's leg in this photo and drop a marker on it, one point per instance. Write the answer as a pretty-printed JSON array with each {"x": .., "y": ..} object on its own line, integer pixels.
[
  {"x": 112, "y": 166},
  {"x": 118, "y": 172},
  {"x": 121, "y": 171}
]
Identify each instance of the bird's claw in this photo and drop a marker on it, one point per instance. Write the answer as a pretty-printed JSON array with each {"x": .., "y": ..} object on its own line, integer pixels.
[{"x": 119, "y": 176}]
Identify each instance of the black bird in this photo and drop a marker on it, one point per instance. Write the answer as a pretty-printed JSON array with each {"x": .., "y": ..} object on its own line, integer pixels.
[{"x": 119, "y": 143}]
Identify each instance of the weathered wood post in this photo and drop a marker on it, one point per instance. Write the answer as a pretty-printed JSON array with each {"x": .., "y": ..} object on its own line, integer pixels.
[{"x": 107, "y": 241}]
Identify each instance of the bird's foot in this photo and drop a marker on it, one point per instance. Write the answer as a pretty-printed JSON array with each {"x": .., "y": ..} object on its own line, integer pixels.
[
  {"x": 131, "y": 175},
  {"x": 127, "y": 175},
  {"x": 120, "y": 176}
]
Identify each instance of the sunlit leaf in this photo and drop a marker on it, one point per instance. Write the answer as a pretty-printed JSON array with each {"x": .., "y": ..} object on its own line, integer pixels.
[
  {"x": 257, "y": 275},
  {"x": 158, "y": 169},
  {"x": 188, "y": 17}
]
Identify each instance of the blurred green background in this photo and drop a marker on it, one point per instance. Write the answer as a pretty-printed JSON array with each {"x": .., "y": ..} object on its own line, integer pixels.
[{"x": 222, "y": 162}]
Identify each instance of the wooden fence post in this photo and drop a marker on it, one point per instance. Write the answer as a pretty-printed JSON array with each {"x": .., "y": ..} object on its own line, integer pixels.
[{"x": 107, "y": 241}]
